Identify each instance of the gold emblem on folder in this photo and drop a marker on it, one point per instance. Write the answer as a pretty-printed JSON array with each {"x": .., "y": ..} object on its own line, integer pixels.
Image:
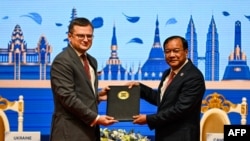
[
  {"x": 123, "y": 95},
  {"x": 123, "y": 102}
]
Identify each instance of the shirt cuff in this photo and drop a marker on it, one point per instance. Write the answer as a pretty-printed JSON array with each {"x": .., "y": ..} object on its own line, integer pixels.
[{"x": 94, "y": 122}]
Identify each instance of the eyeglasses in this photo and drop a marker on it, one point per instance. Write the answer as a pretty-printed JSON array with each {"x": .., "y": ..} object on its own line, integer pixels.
[
  {"x": 175, "y": 51},
  {"x": 83, "y": 36}
]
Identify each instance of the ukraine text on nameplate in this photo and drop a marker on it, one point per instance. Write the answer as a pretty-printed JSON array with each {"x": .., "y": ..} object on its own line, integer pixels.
[{"x": 22, "y": 136}]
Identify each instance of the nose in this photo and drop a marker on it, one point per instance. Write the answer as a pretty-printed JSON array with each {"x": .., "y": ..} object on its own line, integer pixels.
[
  {"x": 172, "y": 53},
  {"x": 85, "y": 38}
]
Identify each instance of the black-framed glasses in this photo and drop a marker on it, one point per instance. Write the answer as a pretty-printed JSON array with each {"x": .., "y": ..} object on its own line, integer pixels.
[{"x": 83, "y": 36}]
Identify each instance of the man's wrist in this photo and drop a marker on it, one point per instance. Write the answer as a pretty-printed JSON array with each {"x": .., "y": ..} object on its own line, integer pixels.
[{"x": 95, "y": 121}]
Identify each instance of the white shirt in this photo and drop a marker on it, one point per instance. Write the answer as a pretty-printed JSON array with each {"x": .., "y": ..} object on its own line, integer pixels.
[
  {"x": 164, "y": 85},
  {"x": 91, "y": 70}
]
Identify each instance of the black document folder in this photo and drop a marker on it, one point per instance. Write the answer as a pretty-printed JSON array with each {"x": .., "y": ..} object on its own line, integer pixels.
[{"x": 123, "y": 103}]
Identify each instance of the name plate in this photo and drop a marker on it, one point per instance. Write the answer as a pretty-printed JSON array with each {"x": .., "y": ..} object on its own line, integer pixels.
[
  {"x": 215, "y": 137},
  {"x": 22, "y": 136}
]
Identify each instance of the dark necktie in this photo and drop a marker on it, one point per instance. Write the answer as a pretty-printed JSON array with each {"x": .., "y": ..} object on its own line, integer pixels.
[
  {"x": 86, "y": 65},
  {"x": 171, "y": 76}
]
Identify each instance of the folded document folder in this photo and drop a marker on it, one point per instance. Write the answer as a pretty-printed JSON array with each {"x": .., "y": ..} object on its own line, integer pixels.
[{"x": 123, "y": 103}]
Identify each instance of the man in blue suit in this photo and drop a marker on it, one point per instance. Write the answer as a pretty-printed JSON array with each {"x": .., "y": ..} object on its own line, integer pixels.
[
  {"x": 75, "y": 89},
  {"x": 178, "y": 97}
]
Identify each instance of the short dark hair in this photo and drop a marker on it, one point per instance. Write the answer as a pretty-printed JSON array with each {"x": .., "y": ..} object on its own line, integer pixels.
[
  {"x": 79, "y": 22},
  {"x": 183, "y": 40}
]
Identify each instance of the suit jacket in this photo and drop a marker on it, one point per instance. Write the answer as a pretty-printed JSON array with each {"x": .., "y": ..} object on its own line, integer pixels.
[
  {"x": 178, "y": 114},
  {"x": 75, "y": 101}
]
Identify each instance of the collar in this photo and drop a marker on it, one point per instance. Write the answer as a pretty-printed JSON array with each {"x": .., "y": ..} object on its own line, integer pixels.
[
  {"x": 176, "y": 71},
  {"x": 77, "y": 52}
]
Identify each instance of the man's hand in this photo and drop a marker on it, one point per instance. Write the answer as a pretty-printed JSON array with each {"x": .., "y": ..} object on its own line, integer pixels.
[
  {"x": 106, "y": 120},
  {"x": 140, "y": 119},
  {"x": 131, "y": 84},
  {"x": 102, "y": 96}
]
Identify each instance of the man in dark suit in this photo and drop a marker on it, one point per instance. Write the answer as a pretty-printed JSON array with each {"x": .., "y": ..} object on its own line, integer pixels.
[
  {"x": 179, "y": 101},
  {"x": 75, "y": 89}
]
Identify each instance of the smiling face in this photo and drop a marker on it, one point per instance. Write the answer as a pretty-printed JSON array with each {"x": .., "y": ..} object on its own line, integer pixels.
[
  {"x": 175, "y": 53},
  {"x": 81, "y": 37}
]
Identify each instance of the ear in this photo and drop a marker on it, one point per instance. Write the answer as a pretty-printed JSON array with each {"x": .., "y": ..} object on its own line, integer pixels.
[
  {"x": 69, "y": 36},
  {"x": 186, "y": 51}
]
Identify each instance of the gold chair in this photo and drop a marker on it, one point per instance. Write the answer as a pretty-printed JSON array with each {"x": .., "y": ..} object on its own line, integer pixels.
[
  {"x": 17, "y": 106},
  {"x": 215, "y": 109}
]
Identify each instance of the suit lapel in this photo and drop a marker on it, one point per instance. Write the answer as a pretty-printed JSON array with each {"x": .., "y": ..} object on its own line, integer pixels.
[
  {"x": 92, "y": 64},
  {"x": 168, "y": 89},
  {"x": 178, "y": 77},
  {"x": 77, "y": 61},
  {"x": 161, "y": 84}
]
